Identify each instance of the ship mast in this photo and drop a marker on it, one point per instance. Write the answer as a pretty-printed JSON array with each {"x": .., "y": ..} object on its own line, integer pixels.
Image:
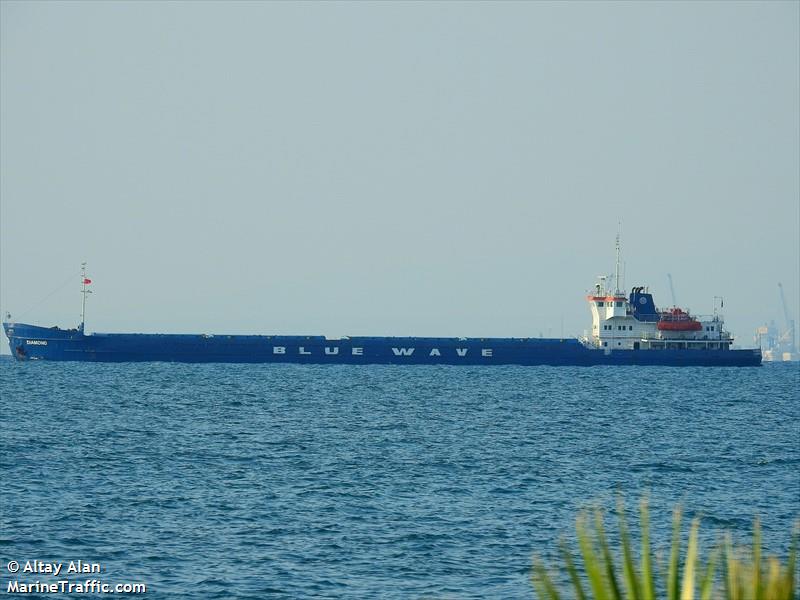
[
  {"x": 84, "y": 291},
  {"x": 616, "y": 276}
]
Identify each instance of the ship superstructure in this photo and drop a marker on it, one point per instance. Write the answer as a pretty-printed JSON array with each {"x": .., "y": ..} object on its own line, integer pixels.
[{"x": 634, "y": 323}]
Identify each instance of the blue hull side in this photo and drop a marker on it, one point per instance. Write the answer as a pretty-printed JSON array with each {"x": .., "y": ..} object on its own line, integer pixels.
[{"x": 30, "y": 342}]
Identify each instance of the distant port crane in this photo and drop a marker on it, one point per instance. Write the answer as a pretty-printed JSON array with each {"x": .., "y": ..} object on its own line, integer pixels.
[
  {"x": 779, "y": 344},
  {"x": 787, "y": 339}
]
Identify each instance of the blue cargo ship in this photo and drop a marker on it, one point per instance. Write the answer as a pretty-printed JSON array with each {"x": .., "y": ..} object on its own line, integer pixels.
[{"x": 626, "y": 330}]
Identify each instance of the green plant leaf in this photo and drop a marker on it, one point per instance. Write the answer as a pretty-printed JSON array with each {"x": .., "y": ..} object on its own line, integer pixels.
[
  {"x": 591, "y": 562},
  {"x": 648, "y": 583},
  {"x": 732, "y": 591},
  {"x": 756, "y": 583},
  {"x": 673, "y": 573},
  {"x": 707, "y": 583},
  {"x": 792, "y": 562},
  {"x": 542, "y": 582},
  {"x": 573, "y": 572},
  {"x": 629, "y": 570},
  {"x": 746, "y": 575},
  {"x": 608, "y": 559},
  {"x": 687, "y": 589}
]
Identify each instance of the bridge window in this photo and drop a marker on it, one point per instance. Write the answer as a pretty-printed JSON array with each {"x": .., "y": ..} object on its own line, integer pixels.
[
  {"x": 599, "y": 304},
  {"x": 619, "y": 303}
]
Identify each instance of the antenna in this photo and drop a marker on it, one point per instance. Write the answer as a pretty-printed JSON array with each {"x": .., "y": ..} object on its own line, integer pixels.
[
  {"x": 721, "y": 305},
  {"x": 624, "y": 271},
  {"x": 616, "y": 277},
  {"x": 84, "y": 291},
  {"x": 672, "y": 290}
]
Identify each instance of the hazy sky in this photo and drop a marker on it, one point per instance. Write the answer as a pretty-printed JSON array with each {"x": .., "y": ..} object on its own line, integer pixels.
[{"x": 395, "y": 168}]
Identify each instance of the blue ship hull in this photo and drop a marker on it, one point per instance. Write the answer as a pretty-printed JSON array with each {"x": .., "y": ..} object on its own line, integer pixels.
[{"x": 30, "y": 342}]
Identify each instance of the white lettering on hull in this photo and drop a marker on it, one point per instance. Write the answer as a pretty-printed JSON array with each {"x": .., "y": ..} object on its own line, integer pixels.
[
  {"x": 403, "y": 351},
  {"x": 36, "y": 342},
  {"x": 355, "y": 351}
]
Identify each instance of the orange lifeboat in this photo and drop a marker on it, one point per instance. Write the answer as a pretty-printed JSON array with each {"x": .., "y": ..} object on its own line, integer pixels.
[{"x": 678, "y": 320}]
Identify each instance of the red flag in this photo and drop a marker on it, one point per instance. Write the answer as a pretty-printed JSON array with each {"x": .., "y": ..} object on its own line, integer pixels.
[{"x": 86, "y": 281}]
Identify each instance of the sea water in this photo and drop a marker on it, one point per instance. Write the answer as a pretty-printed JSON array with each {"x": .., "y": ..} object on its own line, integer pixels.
[{"x": 288, "y": 481}]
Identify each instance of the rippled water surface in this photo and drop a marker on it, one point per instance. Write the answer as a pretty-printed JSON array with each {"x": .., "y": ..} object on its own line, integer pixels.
[{"x": 248, "y": 481}]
